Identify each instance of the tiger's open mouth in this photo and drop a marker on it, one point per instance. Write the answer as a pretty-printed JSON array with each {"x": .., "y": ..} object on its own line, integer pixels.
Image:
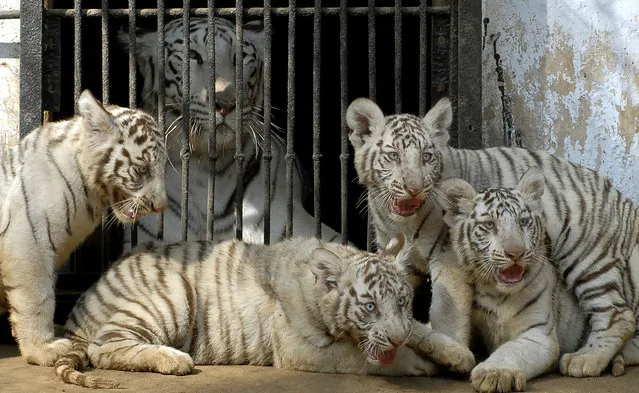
[
  {"x": 385, "y": 357},
  {"x": 406, "y": 207},
  {"x": 511, "y": 274}
]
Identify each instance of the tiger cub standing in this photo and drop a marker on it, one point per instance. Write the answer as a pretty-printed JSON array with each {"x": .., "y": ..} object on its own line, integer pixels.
[
  {"x": 593, "y": 229},
  {"x": 499, "y": 238},
  {"x": 301, "y": 304},
  {"x": 55, "y": 185}
]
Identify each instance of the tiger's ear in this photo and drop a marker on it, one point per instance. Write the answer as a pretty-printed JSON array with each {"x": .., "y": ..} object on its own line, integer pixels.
[
  {"x": 399, "y": 249},
  {"x": 326, "y": 267},
  {"x": 532, "y": 185},
  {"x": 365, "y": 119},
  {"x": 97, "y": 121},
  {"x": 254, "y": 33},
  {"x": 438, "y": 121},
  {"x": 457, "y": 200}
]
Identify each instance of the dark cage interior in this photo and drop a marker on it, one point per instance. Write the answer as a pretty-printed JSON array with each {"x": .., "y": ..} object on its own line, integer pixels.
[{"x": 393, "y": 91}]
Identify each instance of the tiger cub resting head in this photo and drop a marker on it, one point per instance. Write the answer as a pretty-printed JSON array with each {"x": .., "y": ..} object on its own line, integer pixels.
[
  {"x": 300, "y": 304},
  {"x": 499, "y": 238},
  {"x": 55, "y": 186}
]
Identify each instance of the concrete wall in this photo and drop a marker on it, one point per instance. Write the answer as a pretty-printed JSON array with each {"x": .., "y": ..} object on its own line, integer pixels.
[
  {"x": 9, "y": 75},
  {"x": 563, "y": 76}
]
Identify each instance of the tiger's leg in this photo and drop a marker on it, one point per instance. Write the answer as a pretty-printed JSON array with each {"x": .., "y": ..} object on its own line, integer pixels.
[
  {"x": 127, "y": 346},
  {"x": 29, "y": 283},
  {"x": 629, "y": 356},
  {"x": 612, "y": 322},
  {"x": 440, "y": 348}
]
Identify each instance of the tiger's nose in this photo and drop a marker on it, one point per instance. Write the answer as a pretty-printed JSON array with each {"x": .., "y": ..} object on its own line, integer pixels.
[
  {"x": 514, "y": 254},
  {"x": 396, "y": 341},
  {"x": 159, "y": 206},
  {"x": 414, "y": 191},
  {"x": 224, "y": 107}
]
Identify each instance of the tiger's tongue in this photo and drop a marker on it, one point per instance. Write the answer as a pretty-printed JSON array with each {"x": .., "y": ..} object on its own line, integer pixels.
[
  {"x": 407, "y": 207},
  {"x": 387, "y": 357},
  {"x": 512, "y": 274}
]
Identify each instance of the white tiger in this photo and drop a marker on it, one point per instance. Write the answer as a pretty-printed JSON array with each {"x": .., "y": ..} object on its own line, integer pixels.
[
  {"x": 592, "y": 228},
  {"x": 226, "y": 110},
  {"x": 301, "y": 304},
  {"x": 55, "y": 185}
]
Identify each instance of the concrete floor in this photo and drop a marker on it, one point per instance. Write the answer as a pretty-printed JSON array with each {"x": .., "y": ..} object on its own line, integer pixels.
[{"x": 18, "y": 377}]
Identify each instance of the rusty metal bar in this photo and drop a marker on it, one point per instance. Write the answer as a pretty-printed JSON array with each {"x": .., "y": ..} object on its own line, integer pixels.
[
  {"x": 239, "y": 126},
  {"x": 372, "y": 94},
  {"x": 185, "y": 152},
  {"x": 424, "y": 65},
  {"x": 249, "y": 12},
  {"x": 77, "y": 53},
  {"x": 106, "y": 82},
  {"x": 132, "y": 87},
  {"x": 317, "y": 153},
  {"x": 454, "y": 29},
  {"x": 161, "y": 93},
  {"x": 31, "y": 28},
  {"x": 268, "y": 156},
  {"x": 344, "y": 156},
  {"x": 210, "y": 88},
  {"x": 398, "y": 56},
  {"x": 290, "y": 119}
]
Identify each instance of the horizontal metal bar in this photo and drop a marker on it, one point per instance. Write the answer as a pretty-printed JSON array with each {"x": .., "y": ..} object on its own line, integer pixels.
[
  {"x": 253, "y": 11},
  {"x": 13, "y": 14}
]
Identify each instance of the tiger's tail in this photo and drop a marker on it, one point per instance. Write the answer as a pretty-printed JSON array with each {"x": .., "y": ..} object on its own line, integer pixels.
[{"x": 69, "y": 368}]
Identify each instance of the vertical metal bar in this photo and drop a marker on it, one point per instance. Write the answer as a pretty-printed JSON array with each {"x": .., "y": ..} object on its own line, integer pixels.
[
  {"x": 423, "y": 57},
  {"x": 268, "y": 37},
  {"x": 398, "y": 56},
  {"x": 161, "y": 97},
  {"x": 344, "y": 156},
  {"x": 31, "y": 27},
  {"x": 372, "y": 94},
  {"x": 469, "y": 117},
  {"x": 77, "y": 52},
  {"x": 239, "y": 100},
  {"x": 106, "y": 82},
  {"x": 185, "y": 152},
  {"x": 132, "y": 88},
  {"x": 105, "y": 100},
  {"x": 210, "y": 88},
  {"x": 290, "y": 120},
  {"x": 317, "y": 153},
  {"x": 453, "y": 69}
]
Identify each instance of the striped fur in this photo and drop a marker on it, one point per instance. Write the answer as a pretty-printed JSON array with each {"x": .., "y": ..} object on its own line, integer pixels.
[
  {"x": 226, "y": 111},
  {"x": 592, "y": 227},
  {"x": 499, "y": 238},
  {"x": 55, "y": 185},
  {"x": 300, "y": 304}
]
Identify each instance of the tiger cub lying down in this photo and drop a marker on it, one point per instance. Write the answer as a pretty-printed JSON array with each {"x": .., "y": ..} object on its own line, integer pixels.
[{"x": 301, "y": 304}]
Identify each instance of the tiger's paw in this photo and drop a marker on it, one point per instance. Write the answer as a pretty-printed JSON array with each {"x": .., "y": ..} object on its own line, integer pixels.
[
  {"x": 173, "y": 362},
  {"x": 618, "y": 365},
  {"x": 488, "y": 378},
  {"x": 459, "y": 358},
  {"x": 584, "y": 364},
  {"x": 46, "y": 354},
  {"x": 411, "y": 364}
]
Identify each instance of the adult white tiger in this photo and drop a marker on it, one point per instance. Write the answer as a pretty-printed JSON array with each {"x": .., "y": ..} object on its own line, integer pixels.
[
  {"x": 55, "y": 186},
  {"x": 593, "y": 229},
  {"x": 226, "y": 110},
  {"x": 301, "y": 304}
]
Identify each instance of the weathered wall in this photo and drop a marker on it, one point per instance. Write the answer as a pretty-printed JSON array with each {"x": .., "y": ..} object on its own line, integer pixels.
[
  {"x": 563, "y": 76},
  {"x": 9, "y": 75}
]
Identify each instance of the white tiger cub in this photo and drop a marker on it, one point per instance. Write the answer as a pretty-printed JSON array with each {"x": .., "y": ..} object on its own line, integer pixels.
[
  {"x": 301, "y": 304},
  {"x": 593, "y": 229},
  {"x": 499, "y": 236},
  {"x": 55, "y": 185},
  {"x": 227, "y": 109}
]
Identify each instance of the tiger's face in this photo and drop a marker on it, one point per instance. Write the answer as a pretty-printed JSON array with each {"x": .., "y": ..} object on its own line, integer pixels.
[
  {"x": 398, "y": 157},
  {"x": 498, "y": 234},
  {"x": 128, "y": 158},
  {"x": 226, "y": 103},
  {"x": 369, "y": 300}
]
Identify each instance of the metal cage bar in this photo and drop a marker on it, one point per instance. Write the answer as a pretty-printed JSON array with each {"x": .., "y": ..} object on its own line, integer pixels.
[
  {"x": 77, "y": 52},
  {"x": 210, "y": 46},
  {"x": 290, "y": 119},
  {"x": 317, "y": 153},
  {"x": 161, "y": 92},
  {"x": 398, "y": 55},
  {"x": 132, "y": 86},
  {"x": 344, "y": 156},
  {"x": 239, "y": 97},
  {"x": 372, "y": 94},
  {"x": 268, "y": 156},
  {"x": 185, "y": 153}
]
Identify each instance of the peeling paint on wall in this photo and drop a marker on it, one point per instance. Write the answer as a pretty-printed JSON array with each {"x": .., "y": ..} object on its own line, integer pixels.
[{"x": 571, "y": 75}]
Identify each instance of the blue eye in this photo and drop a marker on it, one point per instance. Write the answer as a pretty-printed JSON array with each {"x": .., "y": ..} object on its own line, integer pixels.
[
  {"x": 488, "y": 224},
  {"x": 428, "y": 157},
  {"x": 524, "y": 221},
  {"x": 393, "y": 155},
  {"x": 370, "y": 307}
]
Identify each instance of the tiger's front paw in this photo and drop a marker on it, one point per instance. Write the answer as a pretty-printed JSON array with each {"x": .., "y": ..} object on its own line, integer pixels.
[
  {"x": 46, "y": 354},
  {"x": 583, "y": 364},
  {"x": 458, "y": 358},
  {"x": 487, "y": 378},
  {"x": 411, "y": 364}
]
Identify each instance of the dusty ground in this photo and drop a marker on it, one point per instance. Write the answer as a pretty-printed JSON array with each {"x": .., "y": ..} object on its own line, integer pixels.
[{"x": 19, "y": 377}]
